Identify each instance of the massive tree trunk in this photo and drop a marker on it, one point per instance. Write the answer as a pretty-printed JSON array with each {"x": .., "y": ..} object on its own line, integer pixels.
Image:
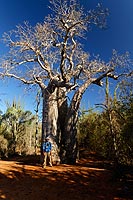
[
  {"x": 70, "y": 134},
  {"x": 59, "y": 121},
  {"x": 50, "y": 119},
  {"x": 70, "y": 145},
  {"x": 62, "y": 111}
]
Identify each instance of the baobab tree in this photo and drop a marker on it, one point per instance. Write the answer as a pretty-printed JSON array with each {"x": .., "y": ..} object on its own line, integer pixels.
[{"x": 51, "y": 56}]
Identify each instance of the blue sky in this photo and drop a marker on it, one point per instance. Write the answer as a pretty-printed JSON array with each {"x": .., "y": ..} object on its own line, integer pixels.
[{"x": 119, "y": 36}]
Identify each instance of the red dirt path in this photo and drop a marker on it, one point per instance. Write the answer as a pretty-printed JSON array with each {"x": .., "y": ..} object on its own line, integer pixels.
[{"x": 87, "y": 180}]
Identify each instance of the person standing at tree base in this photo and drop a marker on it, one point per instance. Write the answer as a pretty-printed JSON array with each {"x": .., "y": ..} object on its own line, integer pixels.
[{"x": 47, "y": 147}]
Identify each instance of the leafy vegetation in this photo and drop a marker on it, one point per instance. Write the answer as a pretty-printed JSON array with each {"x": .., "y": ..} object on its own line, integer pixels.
[
  {"x": 17, "y": 131},
  {"x": 110, "y": 132}
]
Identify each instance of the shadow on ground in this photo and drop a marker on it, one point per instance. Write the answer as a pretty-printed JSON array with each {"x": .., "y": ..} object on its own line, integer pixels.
[{"x": 89, "y": 179}]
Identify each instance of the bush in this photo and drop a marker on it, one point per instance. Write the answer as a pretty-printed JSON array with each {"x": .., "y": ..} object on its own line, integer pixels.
[{"x": 3, "y": 146}]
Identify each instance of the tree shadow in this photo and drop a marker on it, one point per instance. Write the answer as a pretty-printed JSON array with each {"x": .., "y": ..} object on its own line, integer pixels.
[
  {"x": 26, "y": 160},
  {"x": 24, "y": 181}
]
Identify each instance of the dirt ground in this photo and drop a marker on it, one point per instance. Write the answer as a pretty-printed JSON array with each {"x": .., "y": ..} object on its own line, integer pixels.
[{"x": 90, "y": 179}]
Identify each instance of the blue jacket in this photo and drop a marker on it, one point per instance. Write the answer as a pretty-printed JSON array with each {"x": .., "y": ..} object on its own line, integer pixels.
[{"x": 47, "y": 146}]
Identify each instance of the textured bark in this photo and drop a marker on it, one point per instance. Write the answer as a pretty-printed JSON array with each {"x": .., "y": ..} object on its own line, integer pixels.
[
  {"x": 70, "y": 145},
  {"x": 62, "y": 109},
  {"x": 49, "y": 120}
]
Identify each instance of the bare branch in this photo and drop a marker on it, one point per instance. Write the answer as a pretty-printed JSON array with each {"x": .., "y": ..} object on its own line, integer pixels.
[
  {"x": 97, "y": 81},
  {"x": 39, "y": 81},
  {"x": 17, "y": 77},
  {"x": 25, "y": 61}
]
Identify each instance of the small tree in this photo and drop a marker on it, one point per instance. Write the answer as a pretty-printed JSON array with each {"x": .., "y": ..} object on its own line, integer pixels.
[
  {"x": 15, "y": 121},
  {"x": 3, "y": 146}
]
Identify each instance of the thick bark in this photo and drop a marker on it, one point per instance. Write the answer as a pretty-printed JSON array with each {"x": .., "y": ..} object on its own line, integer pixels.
[
  {"x": 62, "y": 110},
  {"x": 70, "y": 146},
  {"x": 49, "y": 120},
  {"x": 70, "y": 143}
]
